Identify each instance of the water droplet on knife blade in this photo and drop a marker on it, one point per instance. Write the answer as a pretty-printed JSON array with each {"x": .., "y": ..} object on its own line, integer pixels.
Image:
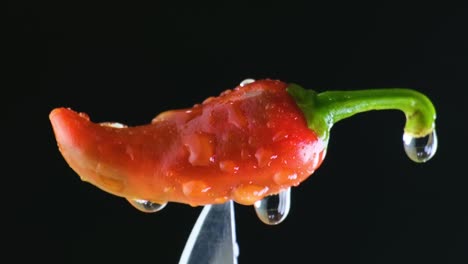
[
  {"x": 273, "y": 209},
  {"x": 420, "y": 149},
  {"x": 246, "y": 81},
  {"x": 146, "y": 206}
]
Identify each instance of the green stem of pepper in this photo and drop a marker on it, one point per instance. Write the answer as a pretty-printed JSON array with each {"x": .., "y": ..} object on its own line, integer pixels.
[{"x": 322, "y": 110}]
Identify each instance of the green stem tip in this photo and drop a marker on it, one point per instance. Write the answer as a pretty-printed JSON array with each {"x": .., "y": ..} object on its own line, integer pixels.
[{"x": 322, "y": 110}]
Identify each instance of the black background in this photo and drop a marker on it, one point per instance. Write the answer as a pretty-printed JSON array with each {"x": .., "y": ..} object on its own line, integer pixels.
[{"x": 368, "y": 203}]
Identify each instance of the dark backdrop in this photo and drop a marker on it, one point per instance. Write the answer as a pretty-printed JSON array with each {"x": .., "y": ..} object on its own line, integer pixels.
[{"x": 367, "y": 203}]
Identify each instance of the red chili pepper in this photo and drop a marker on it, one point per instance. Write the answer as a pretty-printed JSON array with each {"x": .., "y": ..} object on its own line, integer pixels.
[{"x": 245, "y": 144}]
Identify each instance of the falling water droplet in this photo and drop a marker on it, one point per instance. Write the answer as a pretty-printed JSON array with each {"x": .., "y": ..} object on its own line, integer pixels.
[
  {"x": 420, "y": 149},
  {"x": 246, "y": 81},
  {"x": 146, "y": 206},
  {"x": 273, "y": 209}
]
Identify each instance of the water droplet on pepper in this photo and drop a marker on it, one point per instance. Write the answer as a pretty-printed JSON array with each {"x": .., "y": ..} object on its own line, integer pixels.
[
  {"x": 264, "y": 157},
  {"x": 228, "y": 166},
  {"x": 200, "y": 149},
  {"x": 236, "y": 117},
  {"x": 248, "y": 194},
  {"x": 113, "y": 124},
  {"x": 195, "y": 189},
  {"x": 146, "y": 206},
  {"x": 280, "y": 135},
  {"x": 245, "y": 154},
  {"x": 285, "y": 177},
  {"x": 221, "y": 199},
  {"x": 246, "y": 81},
  {"x": 420, "y": 149},
  {"x": 273, "y": 209}
]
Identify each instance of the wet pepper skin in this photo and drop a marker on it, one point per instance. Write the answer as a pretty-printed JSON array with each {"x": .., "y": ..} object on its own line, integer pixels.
[{"x": 245, "y": 144}]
